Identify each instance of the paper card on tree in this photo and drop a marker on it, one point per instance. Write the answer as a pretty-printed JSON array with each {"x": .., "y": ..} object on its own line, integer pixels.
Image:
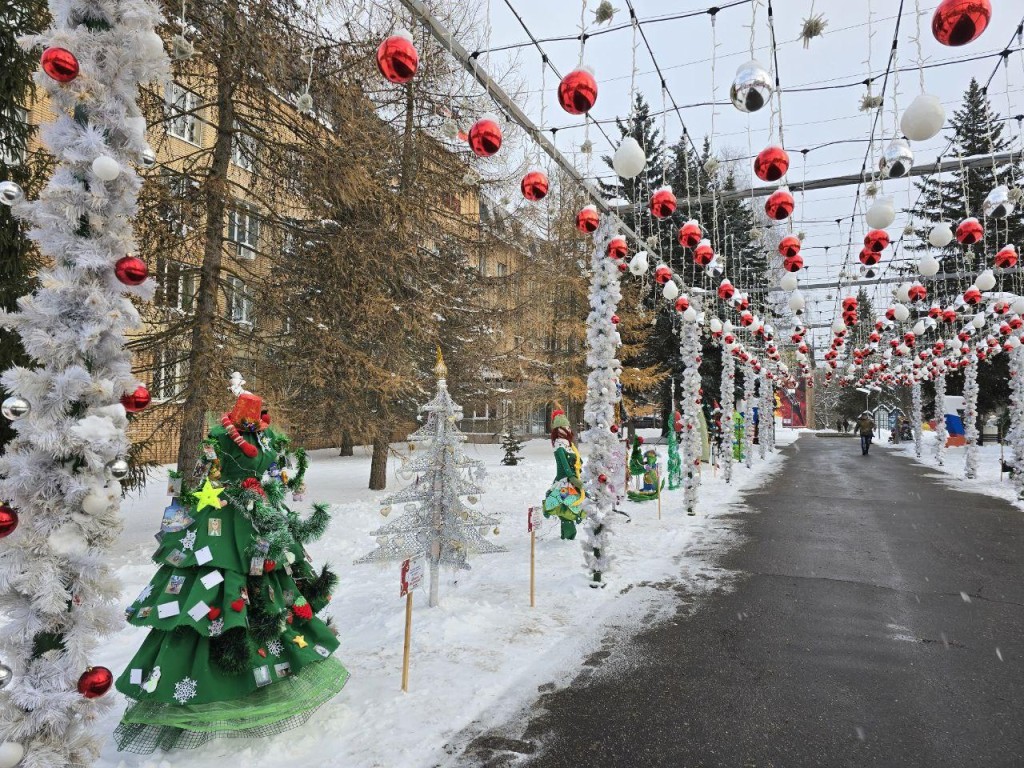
[
  {"x": 203, "y": 555},
  {"x": 135, "y": 677},
  {"x": 198, "y": 611},
  {"x": 256, "y": 566},
  {"x": 212, "y": 579},
  {"x": 262, "y": 675},
  {"x": 166, "y": 610},
  {"x": 174, "y": 486}
]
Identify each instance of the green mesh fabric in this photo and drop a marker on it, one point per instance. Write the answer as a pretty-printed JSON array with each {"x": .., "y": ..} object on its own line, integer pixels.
[{"x": 151, "y": 725}]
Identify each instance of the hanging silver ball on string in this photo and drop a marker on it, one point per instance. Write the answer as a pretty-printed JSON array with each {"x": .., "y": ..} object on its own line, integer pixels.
[
  {"x": 751, "y": 87},
  {"x": 15, "y": 408},
  {"x": 897, "y": 159},
  {"x": 11, "y": 193},
  {"x": 998, "y": 204},
  {"x": 117, "y": 469},
  {"x": 6, "y": 675}
]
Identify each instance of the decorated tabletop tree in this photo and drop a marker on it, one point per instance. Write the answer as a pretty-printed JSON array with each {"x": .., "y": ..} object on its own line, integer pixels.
[{"x": 235, "y": 646}]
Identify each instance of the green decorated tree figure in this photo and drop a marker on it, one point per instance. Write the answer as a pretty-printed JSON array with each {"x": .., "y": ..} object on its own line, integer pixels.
[
  {"x": 235, "y": 646},
  {"x": 675, "y": 464},
  {"x": 565, "y": 497},
  {"x": 636, "y": 458}
]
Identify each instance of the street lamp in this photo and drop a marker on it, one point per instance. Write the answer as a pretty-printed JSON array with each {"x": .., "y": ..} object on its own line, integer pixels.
[{"x": 867, "y": 397}]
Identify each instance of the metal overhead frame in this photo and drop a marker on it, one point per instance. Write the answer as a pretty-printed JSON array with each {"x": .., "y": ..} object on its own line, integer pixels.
[
  {"x": 838, "y": 284},
  {"x": 472, "y": 65}
]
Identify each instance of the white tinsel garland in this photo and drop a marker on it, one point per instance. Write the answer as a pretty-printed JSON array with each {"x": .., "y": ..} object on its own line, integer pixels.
[
  {"x": 971, "y": 416},
  {"x": 763, "y": 413},
  {"x": 57, "y": 589},
  {"x": 1015, "y": 436},
  {"x": 915, "y": 416},
  {"x": 728, "y": 401},
  {"x": 748, "y": 415},
  {"x": 940, "y": 418},
  {"x": 689, "y": 352},
  {"x": 602, "y": 396}
]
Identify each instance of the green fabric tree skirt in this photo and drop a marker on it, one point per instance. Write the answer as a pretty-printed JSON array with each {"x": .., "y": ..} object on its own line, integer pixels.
[{"x": 288, "y": 703}]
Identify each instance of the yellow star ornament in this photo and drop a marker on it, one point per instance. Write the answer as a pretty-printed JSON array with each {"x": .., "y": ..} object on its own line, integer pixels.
[
  {"x": 207, "y": 496},
  {"x": 300, "y": 641}
]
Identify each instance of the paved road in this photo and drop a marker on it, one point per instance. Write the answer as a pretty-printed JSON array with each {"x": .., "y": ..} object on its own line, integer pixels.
[{"x": 846, "y": 641}]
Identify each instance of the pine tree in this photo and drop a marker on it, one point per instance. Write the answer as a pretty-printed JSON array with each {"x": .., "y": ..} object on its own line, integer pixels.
[{"x": 512, "y": 445}]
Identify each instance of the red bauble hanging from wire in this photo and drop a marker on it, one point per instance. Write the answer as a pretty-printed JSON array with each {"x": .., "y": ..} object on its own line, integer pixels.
[
  {"x": 682, "y": 304},
  {"x": 131, "y": 270},
  {"x": 876, "y": 240},
  {"x": 959, "y": 22},
  {"x": 869, "y": 257},
  {"x": 8, "y": 520},
  {"x": 771, "y": 163},
  {"x": 534, "y": 186},
  {"x": 617, "y": 248},
  {"x": 917, "y": 292},
  {"x": 969, "y": 232},
  {"x": 972, "y": 296},
  {"x": 703, "y": 254},
  {"x": 95, "y": 682},
  {"x": 485, "y": 136},
  {"x": 60, "y": 64},
  {"x": 663, "y": 203},
  {"x": 1006, "y": 257},
  {"x": 690, "y": 234},
  {"x": 793, "y": 263},
  {"x": 726, "y": 289},
  {"x": 577, "y": 93},
  {"x": 789, "y": 246},
  {"x": 137, "y": 400},
  {"x": 662, "y": 274},
  {"x": 587, "y": 219},
  {"x": 397, "y": 58},
  {"x": 779, "y": 205}
]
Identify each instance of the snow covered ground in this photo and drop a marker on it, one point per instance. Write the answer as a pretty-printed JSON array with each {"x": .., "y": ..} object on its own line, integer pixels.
[{"x": 484, "y": 651}]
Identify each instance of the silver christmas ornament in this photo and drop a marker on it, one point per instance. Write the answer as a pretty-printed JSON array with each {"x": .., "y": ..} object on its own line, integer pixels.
[
  {"x": 897, "y": 159},
  {"x": 11, "y": 193},
  {"x": 6, "y": 675},
  {"x": 751, "y": 87},
  {"x": 147, "y": 158},
  {"x": 998, "y": 204},
  {"x": 14, "y": 408},
  {"x": 117, "y": 469}
]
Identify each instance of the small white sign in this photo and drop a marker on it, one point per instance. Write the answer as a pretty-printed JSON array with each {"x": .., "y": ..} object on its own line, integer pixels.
[
  {"x": 135, "y": 677},
  {"x": 166, "y": 610},
  {"x": 412, "y": 574},
  {"x": 203, "y": 555},
  {"x": 198, "y": 611},
  {"x": 212, "y": 579}
]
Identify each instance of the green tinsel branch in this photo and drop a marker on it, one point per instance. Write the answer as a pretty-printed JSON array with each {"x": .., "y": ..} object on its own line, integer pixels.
[
  {"x": 313, "y": 527},
  {"x": 318, "y": 591},
  {"x": 232, "y": 651}
]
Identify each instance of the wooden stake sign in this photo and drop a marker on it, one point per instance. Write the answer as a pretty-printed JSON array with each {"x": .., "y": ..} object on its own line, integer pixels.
[
  {"x": 531, "y": 525},
  {"x": 411, "y": 576}
]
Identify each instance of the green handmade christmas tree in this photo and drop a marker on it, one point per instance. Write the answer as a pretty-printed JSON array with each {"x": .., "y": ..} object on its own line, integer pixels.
[
  {"x": 235, "y": 648},
  {"x": 675, "y": 464}
]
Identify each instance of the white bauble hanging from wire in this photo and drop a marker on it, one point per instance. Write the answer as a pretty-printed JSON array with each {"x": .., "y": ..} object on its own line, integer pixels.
[
  {"x": 796, "y": 301},
  {"x": 923, "y": 119},
  {"x": 979, "y": 321},
  {"x": 1018, "y": 305},
  {"x": 897, "y": 159},
  {"x": 900, "y": 312},
  {"x": 751, "y": 87},
  {"x": 838, "y": 325},
  {"x": 881, "y": 214},
  {"x": 985, "y": 280},
  {"x": 903, "y": 292},
  {"x": 928, "y": 266},
  {"x": 940, "y": 235},
  {"x": 789, "y": 281},
  {"x": 629, "y": 159},
  {"x": 639, "y": 265},
  {"x": 998, "y": 204},
  {"x": 716, "y": 325},
  {"x": 919, "y": 328},
  {"x": 690, "y": 315},
  {"x": 670, "y": 291}
]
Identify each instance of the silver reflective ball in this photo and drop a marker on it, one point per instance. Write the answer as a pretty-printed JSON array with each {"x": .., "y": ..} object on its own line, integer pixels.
[
  {"x": 14, "y": 408},
  {"x": 11, "y": 193},
  {"x": 147, "y": 159},
  {"x": 117, "y": 469},
  {"x": 6, "y": 675},
  {"x": 897, "y": 159},
  {"x": 998, "y": 204},
  {"x": 751, "y": 88}
]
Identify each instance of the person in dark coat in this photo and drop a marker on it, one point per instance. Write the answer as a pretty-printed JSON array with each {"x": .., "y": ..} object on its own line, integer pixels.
[{"x": 866, "y": 428}]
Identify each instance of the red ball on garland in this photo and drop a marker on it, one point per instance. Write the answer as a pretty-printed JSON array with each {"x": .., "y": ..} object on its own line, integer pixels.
[
  {"x": 134, "y": 402},
  {"x": 95, "y": 682},
  {"x": 8, "y": 520},
  {"x": 485, "y": 137},
  {"x": 662, "y": 274},
  {"x": 876, "y": 240},
  {"x": 1006, "y": 257},
  {"x": 771, "y": 164},
  {"x": 617, "y": 248},
  {"x": 615, "y": 319},
  {"x": 663, "y": 203},
  {"x": 614, "y": 429},
  {"x": 949, "y": 315},
  {"x": 789, "y": 246},
  {"x": 703, "y": 254},
  {"x": 640, "y": 440},
  {"x": 682, "y": 304},
  {"x": 779, "y": 205},
  {"x": 793, "y": 263},
  {"x": 577, "y": 93},
  {"x": 397, "y": 58},
  {"x": 60, "y": 64},
  {"x": 726, "y": 290},
  {"x": 534, "y": 186},
  {"x": 958, "y": 22},
  {"x": 972, "y": 296},
  {"x": 690, "y": 234},
  {"x": 602, "y": 478},
  {"x": 746, "y": 319},
  {"x": 969, "y": 232},
  {"x": 917, "y": 292},
  {"x": 587, "y": 219},
  {"x": 131, "y": 270},
  {"x": 868, "y": 257}
]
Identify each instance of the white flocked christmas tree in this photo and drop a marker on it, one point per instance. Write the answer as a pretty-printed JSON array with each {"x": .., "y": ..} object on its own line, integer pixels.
[
  {"x": 58, "y": 477},
  {"x": 441, "y": 521}
]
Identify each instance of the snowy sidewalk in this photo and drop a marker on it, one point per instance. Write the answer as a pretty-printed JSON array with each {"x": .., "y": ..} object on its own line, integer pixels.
[{"x": 484, "y": 651}]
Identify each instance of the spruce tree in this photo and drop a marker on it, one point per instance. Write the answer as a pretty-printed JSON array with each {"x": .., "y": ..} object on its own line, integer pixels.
[{"x": 512, "y": 446}]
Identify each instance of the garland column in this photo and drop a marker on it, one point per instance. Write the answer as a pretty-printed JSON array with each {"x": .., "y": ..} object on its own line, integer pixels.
[
  {"x": 728, "y": 399},
  {"x": 1016, "y": 433},
  {"x": 689, "y": 352},
  {"x": 940, "y": 417},
  {"x": 971, "y": 416},
  {"x": 748, "y": 415},
  {"x": 762, "y": 426},
  {"x": 915, "y": 414},
  {"x": 599, "y": 412}
]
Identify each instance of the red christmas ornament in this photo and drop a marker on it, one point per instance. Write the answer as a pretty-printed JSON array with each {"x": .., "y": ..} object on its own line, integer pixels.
[
  {"x": 302, "y": 609},
  {"x": 397, "y": 59},
  {"x": 60, "y": 64},
  {"x": 793, "y": 263},
  {"x": 131, "y": 270},
  {"x": 615, "y": 319},
  {"x": 1016, "y": 323},
  {"x": 779, "y": 205},
  {"x": 969, "y": 232},
  {"x": 134, "y": 402},
  {"x": 95, "y": 682},
  {"x": 690, "y": 234},
  {"x": 876, "y": 240},
  {"x": 623, "y": 266},
  {"x": 577, "y": 93},
  {"x": 662, "y": 274},
  {"x": 602, "y": 478},
  {"x": 948, "y": 315},
  {"x": 789, "y": 246},
  {"x": 237, "y": 605},
  {"x": 917, "y": 292},
  {"x": 958, "y": 22},
  {"x": 849, "y": 303},
  {"x": 617, "y": 248},
  {"x": 485, "y": 137},
  {"x": 269, "y": 565},
  {"x": 771, "y": 164},
  {"x": 746, "y": 319},
  {"x": 703, "y": 254},
  {"x": 663, "y": 203},
  {"x": 8, "y": 520},
  {"x": 869, "y": 257},
  {"x": 587, "y": 219},
  {"x": 614, "y": 429},
  {"x": 682, "y": 304},
  {"x": 935, "y": 312},
  {"x": 1006, "y": 257},
  {"x": 534, "y": 186},
  {"x": 972, "y": 296},
  {"x": 726, "y": 290}
]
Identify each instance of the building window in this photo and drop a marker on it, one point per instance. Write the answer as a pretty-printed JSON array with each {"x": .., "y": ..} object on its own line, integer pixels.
[
  {"x": 244, "y": 230},
  {"x": 239, "y": 301},
  {"x": 178, "y": 286},
  {"x": 181, "y": 112},
  {"x": 242, "y": 149},
  {"x": 170, "y": 374},
  {"x": 12, "y": 151},
  {"x": 502, "y": 269}
]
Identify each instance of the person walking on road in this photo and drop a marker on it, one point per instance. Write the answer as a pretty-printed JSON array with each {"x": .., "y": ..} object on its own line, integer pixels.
[{"x": 866, "y": 428}]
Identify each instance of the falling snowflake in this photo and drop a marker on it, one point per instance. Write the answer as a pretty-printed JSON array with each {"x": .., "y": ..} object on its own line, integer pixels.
[
  {"x": 188, "y": 540},
  {"x": 144, "y": 594},
  {"x": 185, "y": 690},
  {"x": 216, "y": 627},
  {"x": 275, "y": 647}
]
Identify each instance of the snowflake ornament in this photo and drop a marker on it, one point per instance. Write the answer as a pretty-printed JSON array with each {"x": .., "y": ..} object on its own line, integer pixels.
[
  {"x": 188, "y": 540},
  {"x": 275, "y": 647},
  {"x": 216, "y": 627},
  {"x": 185, "y": 690}
]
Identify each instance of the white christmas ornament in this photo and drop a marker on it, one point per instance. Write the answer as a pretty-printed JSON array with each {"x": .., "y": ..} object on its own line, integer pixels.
[
  {"x": 998, "y": 204},
  {"x": 789, "y": 281},
  {"x": 903, "y": 292},
  {"x": 716, "y": 325},
  {"x": 690, "y": 315},
  {"x": 986, "y": 280},
  {"x": 11, "y": 753},
  {"x": 900, "y": 312},
  {"x": 881, "y": 214},
  {"x": 838, "y": 325},
  {"x": 152, "y": 44},
  {"x": 639, "y": 265},
  {"x": 978, "y": 321},
  {"x": 928, "y": 266},
  {"x": 796, "y": 301},
  {"x": 919, "y": 328},
  {"x": 629, "y": 159},
  {"x": 106, "y": 168},
  {"x": 923, "y": 119},
  {"x": 1018, "y": 305},
  {"x": 940, "y": 235},
  {"x": 670, "y": 291}
]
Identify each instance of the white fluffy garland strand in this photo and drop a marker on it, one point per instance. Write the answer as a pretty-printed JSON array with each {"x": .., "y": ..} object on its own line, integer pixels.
[
  {"x": 762, "y": 419},
  {"x": 728, "y": 401},
  {"x": 915, "y": 414},
  {"x": 55, "y": 581},
  {"x": 971, "y": 416},
  {"x": 1016, "y": 434},
  {"x": 748, "y": 415},
  {"x": 689, "y": 351},
  {"x": 602, "y": 395},
  {"x": 940, "y": 419}
]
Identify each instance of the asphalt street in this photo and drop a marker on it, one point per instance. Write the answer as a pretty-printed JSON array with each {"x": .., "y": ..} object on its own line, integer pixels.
[{"x": 876, "y": 619}]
